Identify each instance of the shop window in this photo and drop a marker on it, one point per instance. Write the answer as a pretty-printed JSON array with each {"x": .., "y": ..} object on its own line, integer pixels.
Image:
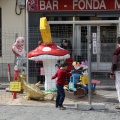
[
  {"x": 113, "y": 18},
  {"x": 59, "y": 18},
  {"x": 109, "y": 18},
  {"x": 84, "y": 18},
  {"x": 59, "y": 32},
  {"x": 64, "y": 18},
  {"x": 55, "y": 18},
  {"x": 108, "y": 35}
]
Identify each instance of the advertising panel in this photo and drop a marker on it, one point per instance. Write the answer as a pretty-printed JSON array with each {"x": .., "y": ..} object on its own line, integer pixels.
[{"x": 72, "y": 5}]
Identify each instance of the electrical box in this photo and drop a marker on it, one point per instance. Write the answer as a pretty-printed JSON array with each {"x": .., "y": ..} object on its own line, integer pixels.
[{"x": 21, "y": 3}]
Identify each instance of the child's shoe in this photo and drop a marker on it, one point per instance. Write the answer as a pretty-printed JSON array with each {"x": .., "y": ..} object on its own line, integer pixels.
[
  {"x": 62, "y": 107},
  {"x": 56, "y": 105}
]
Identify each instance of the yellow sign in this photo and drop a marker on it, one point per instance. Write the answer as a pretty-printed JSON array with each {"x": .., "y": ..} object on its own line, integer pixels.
[{"x": 15, "y": 86}]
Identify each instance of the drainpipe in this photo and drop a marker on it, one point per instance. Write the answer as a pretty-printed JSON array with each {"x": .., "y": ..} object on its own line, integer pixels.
[{"x": 27, "y": 49}]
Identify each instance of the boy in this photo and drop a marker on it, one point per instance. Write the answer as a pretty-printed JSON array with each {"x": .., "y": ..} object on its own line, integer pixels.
[{"x": 61, "y": 75}]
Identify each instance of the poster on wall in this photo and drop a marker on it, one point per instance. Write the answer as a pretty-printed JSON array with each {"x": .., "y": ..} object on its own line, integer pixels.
[{"x": 72, "y": 5}]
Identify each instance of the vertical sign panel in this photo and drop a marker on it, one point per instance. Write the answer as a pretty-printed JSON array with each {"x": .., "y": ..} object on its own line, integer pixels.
[{"x": 94, "y": 38}]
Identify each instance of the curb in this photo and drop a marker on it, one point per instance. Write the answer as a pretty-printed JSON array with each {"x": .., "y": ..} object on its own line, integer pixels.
[
  {"x": 73, "y": 106},
  {"x": 98, "y": 106},
  {"x": 3, "y": 87},
  {"x": 87, "y": 106}
]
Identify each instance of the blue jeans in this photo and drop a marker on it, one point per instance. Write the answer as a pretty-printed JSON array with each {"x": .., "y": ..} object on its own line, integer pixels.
[{"x": 60, "y": 95}]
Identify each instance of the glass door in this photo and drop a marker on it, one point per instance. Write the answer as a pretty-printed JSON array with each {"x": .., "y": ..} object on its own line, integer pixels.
[
  {"x": 107, "y": 45},
  {"x": 103, "y": 39},
  {"x": 80, "y": 42}
]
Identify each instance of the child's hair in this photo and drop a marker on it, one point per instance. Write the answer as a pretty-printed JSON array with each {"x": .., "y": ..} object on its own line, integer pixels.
[
  {"x": 118, "y": 40},
  {"x": 63, "y": 64}
]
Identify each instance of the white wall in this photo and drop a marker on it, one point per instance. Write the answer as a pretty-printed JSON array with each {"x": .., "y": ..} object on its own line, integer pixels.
[{"x": 11, "y": 24}]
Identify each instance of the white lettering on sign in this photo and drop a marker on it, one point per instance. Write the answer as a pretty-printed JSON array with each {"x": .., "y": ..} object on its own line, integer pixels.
[
  {"x": 117, "y": 4},
  {"x": 49, "y": 5},
  {"x": 102, "y": 5},
  {"x": 42, "y": 5},
  {"x": 88, "y": 4},
  {"x": 81, "y": 6}
]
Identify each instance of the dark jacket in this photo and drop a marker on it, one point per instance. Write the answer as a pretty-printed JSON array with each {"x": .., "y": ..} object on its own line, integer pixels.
[{"x": 116, "y": 61}]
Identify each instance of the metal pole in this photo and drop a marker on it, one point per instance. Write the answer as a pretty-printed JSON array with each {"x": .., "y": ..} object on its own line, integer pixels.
[
  {"x": 27, "y": 38},
  {"x": 89, "y": 61},
  {"x": 16, "y": 35},
  {"x": 73, "y": 42}
]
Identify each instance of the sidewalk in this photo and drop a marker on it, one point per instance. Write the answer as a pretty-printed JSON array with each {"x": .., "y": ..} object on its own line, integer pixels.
[{"x": 104, "y": 95}]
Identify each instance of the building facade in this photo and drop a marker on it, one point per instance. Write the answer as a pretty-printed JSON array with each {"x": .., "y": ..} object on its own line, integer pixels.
[
  {"x": 68, "y": 19},
  {"x": 12, "y": 24}
]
